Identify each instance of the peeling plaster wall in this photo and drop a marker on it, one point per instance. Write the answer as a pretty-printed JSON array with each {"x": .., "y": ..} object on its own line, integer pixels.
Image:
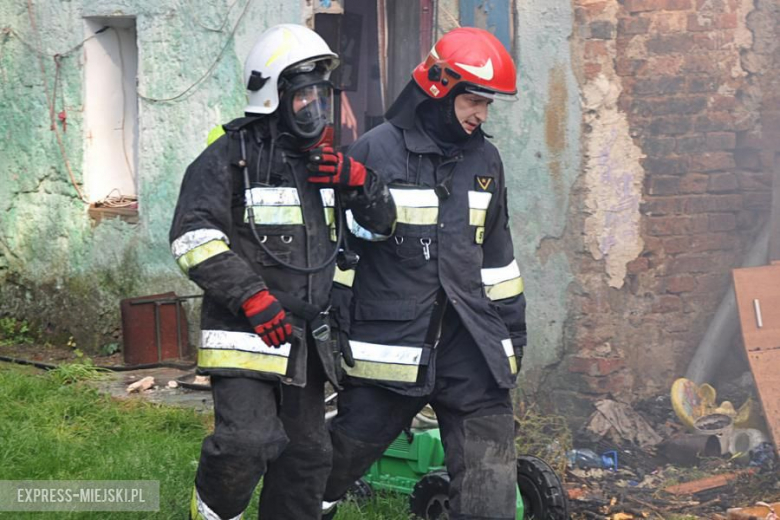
[
  {"x": 56, "y": 267},
  {"x": 539, "y": 140},
  {"x": 613, "y": 179}
]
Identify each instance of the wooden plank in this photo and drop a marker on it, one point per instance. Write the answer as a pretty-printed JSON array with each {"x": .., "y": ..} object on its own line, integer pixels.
[
  {"x": 765, "y": 366},
  {"x": 705, "y": 484},
  {"x": 758, "y": 303}
]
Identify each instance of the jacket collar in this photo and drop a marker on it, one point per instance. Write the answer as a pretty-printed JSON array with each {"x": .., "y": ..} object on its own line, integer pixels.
[{"x": 417, "y": 141}]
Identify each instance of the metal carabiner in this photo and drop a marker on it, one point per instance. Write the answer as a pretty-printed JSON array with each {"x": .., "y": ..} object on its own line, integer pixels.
[
  {"x": 262, "y": 240},
  {"x": 426, "y": 242},
  {"x": 286, "y": 239},
  {"x": 398, "y": 240}
]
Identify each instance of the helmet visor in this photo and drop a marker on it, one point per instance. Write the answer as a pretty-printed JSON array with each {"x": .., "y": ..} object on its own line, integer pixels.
[
  {"x": 491, "y": 94},
  {"x": 312, "y": 108}
]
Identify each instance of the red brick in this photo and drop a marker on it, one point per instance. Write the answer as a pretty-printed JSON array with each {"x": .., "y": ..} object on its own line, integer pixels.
[
  {"x": 701, "y": 263},
  {"x": 664, "y": 226},
  {"x": 712, "y": 203},
  {"x": 638, "y": 265},
  {"x": 595, "y": 366},
  {"x": 712, "y": 161},
  {"x": 636, "y": 6},
  {"x": 633, "y": 25},
  {"x": 666, "y": 165},
  {"x": 591, "y": 70},
  {"x": 664, "y": 65},
  {"x": 722, "y": 182},
  {"x": 663, "y": 206},
  {"x": 727, "y": 21},
  {"x": 667, "y": 303},
  {"x": 670, "y": 43},
  {"x": 723, "y": 103},
  {"x": 595, "y": 49},
  {"x": 669, "y": 22},
  {"x": 680, "y": 284},
  {"x": 662, "y": 185},
  {"x": 694, "y": 183},
  {"x": 721, "y": 141},
  {"x": 715, "y": 122},
  {"x": 701, "y": 64},
  {"x": 629, "y": 67},
  {"x": 691, "y": 144},
  {"x": 722, "y": 222}
]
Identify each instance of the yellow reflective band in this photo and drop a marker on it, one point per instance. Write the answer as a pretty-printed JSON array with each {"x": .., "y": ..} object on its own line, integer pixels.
[
  {"x": 477, "y": 217},
  {"x": 506, "y": 289},
  {"x": 214, "y": 134},
  {"x": 219, "y": 358},
  {"x": 330, "y": 215},
  {"x": 382, "y": 371},
  {"x": 200, "y": 511},
  {"x": 344, "y": 277},
  {"x": 194, "y": 514},
  {"x": 513, "y": 364},
  {"x": 288, "y": 42},
  {"x": 200, "y": 254},
  {"x": 417, "y": 216},
  {"x": 276, "y": 215},
  {"x": 479, "y": 235}
]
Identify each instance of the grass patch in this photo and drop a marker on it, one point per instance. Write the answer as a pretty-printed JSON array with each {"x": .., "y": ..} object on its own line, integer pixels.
[{"x": 54, "y": 428}]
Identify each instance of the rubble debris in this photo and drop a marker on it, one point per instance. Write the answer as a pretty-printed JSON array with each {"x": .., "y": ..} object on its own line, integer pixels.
[
  {"x": 173, "y": 384},
  {"x": 761, "y": 510},
  {"x": 141, "y": 385},
  {"x": 620, "y": 422}
]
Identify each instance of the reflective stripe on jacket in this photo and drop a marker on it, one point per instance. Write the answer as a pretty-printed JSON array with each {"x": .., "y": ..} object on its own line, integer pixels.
[
  {"x": 213, "y": 244},
  {"x": 452, "y": 232}
]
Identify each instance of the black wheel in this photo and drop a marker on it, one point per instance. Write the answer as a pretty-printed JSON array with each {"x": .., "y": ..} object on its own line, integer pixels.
[
  {"x": 543, "y": 495},
  {"x": 360, "y": 492},
  {"x": 430, "y": 498}
]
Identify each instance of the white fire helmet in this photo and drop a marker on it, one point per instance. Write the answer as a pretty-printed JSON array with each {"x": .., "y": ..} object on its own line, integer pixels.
[{"x": 278, "y": 49}]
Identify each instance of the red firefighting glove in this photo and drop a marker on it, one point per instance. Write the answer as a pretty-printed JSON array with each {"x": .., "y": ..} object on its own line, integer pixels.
[
  {"x": 266, "y": 315},
  {"x": 330, "y": 167}
]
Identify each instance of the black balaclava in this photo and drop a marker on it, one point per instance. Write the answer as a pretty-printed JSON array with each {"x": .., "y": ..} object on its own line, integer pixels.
[{"x": 436, "y": 117}]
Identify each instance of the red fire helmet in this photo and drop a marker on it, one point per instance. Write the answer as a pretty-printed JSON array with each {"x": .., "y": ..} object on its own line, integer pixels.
[{"x": 471, "y": 56}]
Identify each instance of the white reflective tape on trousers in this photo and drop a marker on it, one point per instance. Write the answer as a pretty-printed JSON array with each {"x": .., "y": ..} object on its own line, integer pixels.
[
  {"x": 496, "y": 275},
  {"x": 196, "y": 238},
  {"x": 386, "y": 353}
]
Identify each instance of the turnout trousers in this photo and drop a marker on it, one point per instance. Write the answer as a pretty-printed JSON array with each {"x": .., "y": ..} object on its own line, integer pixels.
[
  {"x": 265, "y": 429},
  {"x": 476, "y": 421}
]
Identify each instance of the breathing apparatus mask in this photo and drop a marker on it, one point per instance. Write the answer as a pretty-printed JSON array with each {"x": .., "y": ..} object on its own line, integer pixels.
[{"x": 306, "y": 103}]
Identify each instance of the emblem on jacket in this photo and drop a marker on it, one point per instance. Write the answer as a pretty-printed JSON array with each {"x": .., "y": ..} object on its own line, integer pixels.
[{"x": 484, "y": 184}]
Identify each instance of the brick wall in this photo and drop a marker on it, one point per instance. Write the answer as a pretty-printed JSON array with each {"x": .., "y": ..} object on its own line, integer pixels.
[{"x": 697, "y": 83}]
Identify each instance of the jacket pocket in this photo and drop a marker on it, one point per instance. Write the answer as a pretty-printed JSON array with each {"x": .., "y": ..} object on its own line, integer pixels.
[{"x": 385, "y": 310}]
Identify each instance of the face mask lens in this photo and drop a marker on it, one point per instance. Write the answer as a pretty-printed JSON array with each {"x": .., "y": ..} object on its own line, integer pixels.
[{"x": 311, "y": 107}]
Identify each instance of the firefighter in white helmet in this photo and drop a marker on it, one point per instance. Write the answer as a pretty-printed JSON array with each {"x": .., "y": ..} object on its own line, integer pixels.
[{"x": 258, "y": 227}]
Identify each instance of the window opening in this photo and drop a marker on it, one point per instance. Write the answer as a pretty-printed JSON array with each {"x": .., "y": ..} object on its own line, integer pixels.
[{"x": 111, "y": 114}]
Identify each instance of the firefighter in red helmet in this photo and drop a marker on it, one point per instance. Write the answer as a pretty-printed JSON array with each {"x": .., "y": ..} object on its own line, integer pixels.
[{"x": 438, "y": 311}]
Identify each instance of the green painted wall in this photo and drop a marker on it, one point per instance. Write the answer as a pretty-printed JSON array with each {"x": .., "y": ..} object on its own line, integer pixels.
[
  {"x": 539, "y": 140},
  {"x": 56, "y": 266}
]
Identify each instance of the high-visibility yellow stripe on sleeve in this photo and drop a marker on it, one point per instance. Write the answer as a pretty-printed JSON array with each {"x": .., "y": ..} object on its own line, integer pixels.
[
  {"x": 200, "y": 254},
  {"x": 504, "y": 290},
  {"x": 276, "y": 215},
  {"x": 193, "y": 247},
  {"x": 502, "y": 282}
]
